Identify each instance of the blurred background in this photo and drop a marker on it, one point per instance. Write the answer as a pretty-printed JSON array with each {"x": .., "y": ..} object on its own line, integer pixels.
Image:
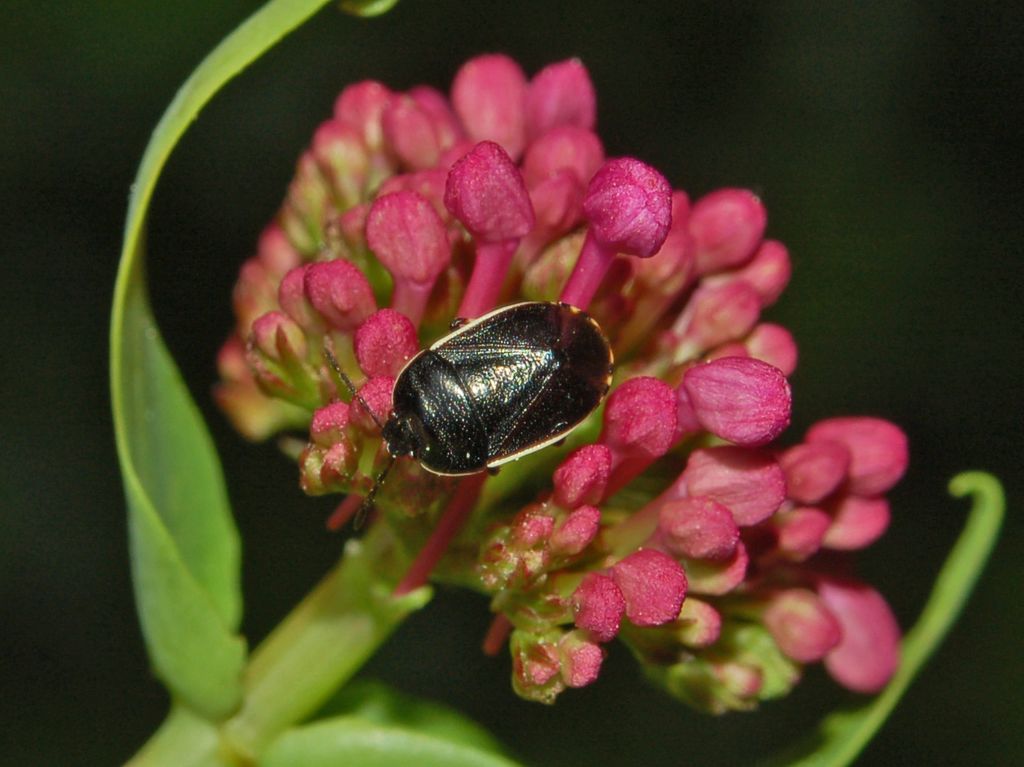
[{"x": 885, "y": 139}]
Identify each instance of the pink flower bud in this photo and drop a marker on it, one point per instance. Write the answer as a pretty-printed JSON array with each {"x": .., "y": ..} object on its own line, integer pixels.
[
  {"x": 814, "y": 469},
  {"x": 581, "y": 660},
  {"x": 360, "y": 106},
  {"x": 699, "y": 528},
  {"x": 668, "y": 270},
  {"x": 531, "y": 528},
  {"x": 409, "y": 131},
  {"x": 560, "y": 94},
  {"x": 857, "y": 522},
  {"x": 800, "y": 532},
  {"x": 275, "y": 252},
  {"x": 576, "y": 532},
  {"x": 716, "y": 315},
  {"x": 558, "y": 201},
  {"x": 291, "y": 296},
  {"x": 741, "y": 400},
  {"x": 768, "y": 272},
  {"x": 583, "y": 477},
  {"x": 340, "y": 463},
  {"x": 429, "y": 184},
  {"x": 409, "y": 238},
  {"x": 598, "y": 606},
  {"x": 435, "y": 104},
  {"x": 773, "y": 344},
  {"x": 340, "y": 293},
  {"x": 489, "y": 96},
  {"x": 629, "y": 207},
  {"x": 279, "y": 338},
  {"x": 329, "y": 423},
  {"x": 726, "y": 226},
  {"x": 801, "y": 625},
  {"x": 564, "y": 148},
  {"x": 868, "y": 653},
  {"x": 342, "y": 158},
  {"x": 255, "y": 293},
  {"x": 653, "y": 585},
  {"x": 376, "y": 393},
  {"x": 878, "y": 451},
  {"x": 700, "y": 624},
  {"x": 749, "y": 482},
  {"x": 640, "y": 418},
  {"x": 485, "y": 191},
  {"x": 385, "y": 342},
  {"x": 717, "y": 577}
]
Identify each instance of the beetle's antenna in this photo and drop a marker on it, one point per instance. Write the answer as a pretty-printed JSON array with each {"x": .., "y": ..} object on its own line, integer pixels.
[
  {"x": 333, "y": 362},
  {"x": 367, "y": 504}
]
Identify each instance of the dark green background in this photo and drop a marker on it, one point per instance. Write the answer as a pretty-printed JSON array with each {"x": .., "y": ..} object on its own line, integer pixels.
[{"x": 884, "y": 138}]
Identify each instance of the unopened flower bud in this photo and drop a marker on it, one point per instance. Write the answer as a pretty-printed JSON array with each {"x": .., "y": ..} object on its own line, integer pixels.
[
  {"x": 598, "y": 606},
  {"x": 640, "y": 418},
  {"x": 814, "y": 469},
  {"x": 340, "y": 293},
  {"x": 716, "y": 314},
  {"x": 653, "y": 585},
  {"x": 726, "y": 226},
  {"x": 749, "y": 482},
  {"x": 489, "y": 96},
  {"x": 373, "y": 406},
  {"x": 699, "y": 624},
  {"x": 803, "y": 627},
  {"x": 560, "y": 94},
  {"x": 329, "y": 424},
  {"x": 486, "y": 192},
  {"x": 361, "y": 106},
  {"x": 878, "y": 451},
  {"x": 800, "y": 531},
  {"x": 716, "y": 577},
  {"x": 342, "y": 158},
  {"x": 565, "y": 148},
  {"x": 773, "y": 344},
  {"x": 406, "y": 234},
  {"x": 583, "y": 477},
  {"x": 768, "y": 272},
  {"x": 868, "y": 653},
  {"x": 576, "y": 532},
  {"x": 581, "y": 659},
  {"x": 742, "y": 400},
  {"x": 857, "y": 522},
  {"x": 385, "y": 342},
  {"x": 698, "y": 527}
]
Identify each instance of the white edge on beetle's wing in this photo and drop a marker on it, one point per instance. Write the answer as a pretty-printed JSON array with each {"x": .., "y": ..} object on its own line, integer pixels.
[
  {"x": 534, "y": 448},
  {"x": 477, "y": 320}
]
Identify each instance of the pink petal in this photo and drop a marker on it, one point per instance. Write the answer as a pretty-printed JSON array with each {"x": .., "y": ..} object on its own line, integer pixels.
[
  {"x": 814, "y": 469},
  {"x": 801, "y": 624},
  {"x": 700, "y": 624},
  {"x": 376, "y": 394},
  {"x": 878, "y": 451},
  {"x": 629, "y": 207},
  {"x": 583, "y": 477},
  {"x": 598, "y": 605},
  {"x": 385, "y": 342},
  {"x": 741, "y": 400},
  {"x": 653, "y": 585},
  {"x": 800, "y": 532},
  {"x": 749, "y": 482},
  {"x": 698, "y": 527},
  {"x": 718, "y": 577},
  {"x": 773, "y": 344},
  {"x": 640, "y": 418},
  {"x": 576, "y": 532},
  {"x": 406, "y": 234},
  {"x": 489, "y": 96},
  {"x": 560, "y": 94},
  {"x": 869, "y": 652},
  {"x": 581, "y": 660},
  {"x": 340, "y": 293},
  {"x": 328, "y": 424},
  {"x": 360, "y": 106},
  {"x": 566, "y": 148},
  {"x": 485, "y": 191},
  {"x": 857, "y": 522},
  {"x": 726, "y": 226}
]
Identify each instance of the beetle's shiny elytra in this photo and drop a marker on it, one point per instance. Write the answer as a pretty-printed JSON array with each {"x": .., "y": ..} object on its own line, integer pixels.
[{"x": 500, "y": 386}]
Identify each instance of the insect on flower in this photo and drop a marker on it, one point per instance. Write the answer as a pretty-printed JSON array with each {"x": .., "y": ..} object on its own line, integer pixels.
[{"x": 496, "y": 388}]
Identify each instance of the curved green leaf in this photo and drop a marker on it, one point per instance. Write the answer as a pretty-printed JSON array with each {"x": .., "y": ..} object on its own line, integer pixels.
[
  {"x": 376, "y": 702},
  {"x": 351, "y": 740},
  {"x": 185, "y": 549},
  {"x": 842, "y": 735}
]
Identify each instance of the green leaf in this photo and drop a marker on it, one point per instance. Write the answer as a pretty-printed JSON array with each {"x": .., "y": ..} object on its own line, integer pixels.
[
  {"x": 378, "y": 703},
  {"x": 185, "y": 550},
  {"x": 351, "y": 740},
  {"x": 367, "y": 8},
  {"x": 842, "y": 735}
]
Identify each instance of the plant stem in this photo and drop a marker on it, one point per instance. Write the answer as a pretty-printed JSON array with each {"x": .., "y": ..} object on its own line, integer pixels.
[{"x": 318, "y": 647}]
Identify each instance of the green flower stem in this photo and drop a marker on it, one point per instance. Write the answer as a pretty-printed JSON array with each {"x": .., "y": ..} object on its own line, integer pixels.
[{"x": 313, "y": 652}]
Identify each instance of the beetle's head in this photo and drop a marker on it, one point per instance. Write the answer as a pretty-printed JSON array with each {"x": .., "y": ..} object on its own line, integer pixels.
[{"x": 402, "y": 435}]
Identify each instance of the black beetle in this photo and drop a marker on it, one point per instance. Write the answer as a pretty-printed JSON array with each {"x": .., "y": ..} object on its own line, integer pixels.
[{"x": 498, "y": 387}]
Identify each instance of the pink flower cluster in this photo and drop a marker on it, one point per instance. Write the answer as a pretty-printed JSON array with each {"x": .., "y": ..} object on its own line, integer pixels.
[{"x": 672, "y": 523}]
